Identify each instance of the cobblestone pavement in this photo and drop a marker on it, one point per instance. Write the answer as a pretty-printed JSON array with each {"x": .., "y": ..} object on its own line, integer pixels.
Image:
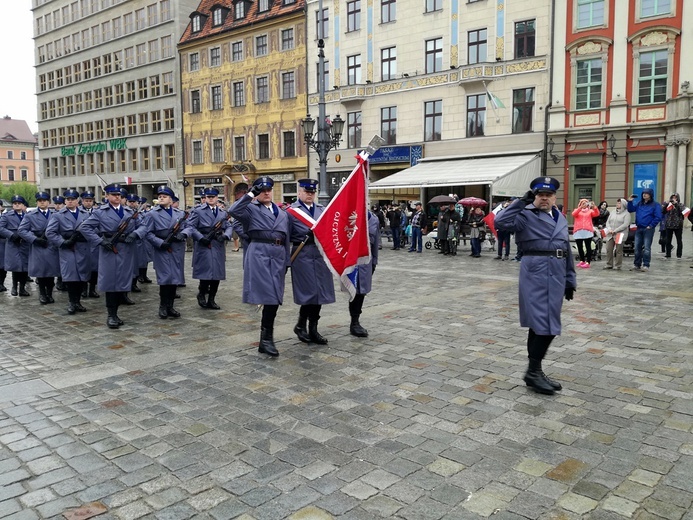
[{"x": 427, "y": 418}]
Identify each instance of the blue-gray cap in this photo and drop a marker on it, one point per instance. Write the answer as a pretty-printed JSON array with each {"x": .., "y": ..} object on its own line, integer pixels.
[{"x": 545, "y": 184}]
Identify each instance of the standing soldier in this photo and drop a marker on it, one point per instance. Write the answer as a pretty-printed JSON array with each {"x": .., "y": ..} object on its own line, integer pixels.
[
  {"x": 267, "y": 258},
  {"x": 547, "y": 271},
  {"x": 58, "y": 202},
  {"x": 63, "y": 231},
  {"x": 210, "y": 228},
  {"x": 44, "y": 263},
  {"x": 148, "y": 249},
  {"x": 166, "y": 230},
  {"x": 3, "y": 272},
  {"x": 364, "y": 279},
  {"x": 16, "y": 249},
  {"x": 112, "y": 227},
  {"x": 310, "y": 277},
  {"x": 133, "y": 202},
  {"x": 90, "y": 288},
  {"x": 240, "y": 239}
]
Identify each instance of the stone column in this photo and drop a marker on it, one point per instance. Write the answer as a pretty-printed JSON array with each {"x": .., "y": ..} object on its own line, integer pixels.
[
  {"x": 681, "y": 169},
  {"x": 670, "y": 168}
]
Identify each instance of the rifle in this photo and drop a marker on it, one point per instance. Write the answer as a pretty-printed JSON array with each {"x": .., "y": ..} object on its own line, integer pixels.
[
  {"x": 214, "y": 230},
  {"x": 300, "y": 246},
  {"x": 122, "y": 227},
  {"x": 174, "y": 230}
]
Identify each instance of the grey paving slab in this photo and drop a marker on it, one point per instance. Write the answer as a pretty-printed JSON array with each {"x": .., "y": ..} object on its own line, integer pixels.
[{"x": 426, "y": 418}]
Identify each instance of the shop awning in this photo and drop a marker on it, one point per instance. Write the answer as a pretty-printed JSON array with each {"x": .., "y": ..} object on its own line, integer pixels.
[{"x": 508, "y": 175}]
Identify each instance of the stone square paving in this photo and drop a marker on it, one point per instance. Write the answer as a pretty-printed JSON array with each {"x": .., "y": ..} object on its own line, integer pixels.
[{"x": 427, "y": 418}]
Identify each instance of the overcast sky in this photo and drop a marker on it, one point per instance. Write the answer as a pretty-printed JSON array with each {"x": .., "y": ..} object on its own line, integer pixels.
[{"x": 18, "y": 84}]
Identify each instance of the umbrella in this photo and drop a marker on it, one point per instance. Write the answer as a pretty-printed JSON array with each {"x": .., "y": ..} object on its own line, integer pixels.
[
  {"x": 473, "y": 201},
  {"x": 442, "y": 199}
]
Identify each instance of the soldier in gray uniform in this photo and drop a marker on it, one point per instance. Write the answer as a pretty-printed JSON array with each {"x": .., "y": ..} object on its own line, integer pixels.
[
  {"x": 3, "y": 272},
  {"x": 115, "y": 232},
  {"x": 166, "y": 229},
  {"x": 210, "y": 229},
  {"x": 44, "y": 263},
  {"x": 240, "y": 239},
  {"x": 16, "y": 249},
  {"x": 148, "y": 249},
  {"x": 63, "y": 232},
  {"x": 311, "y": 279},
  {"x": 364, "y": 279},
  {"x": 90, "y": 288},
  {"x": 267, "y": 258}
]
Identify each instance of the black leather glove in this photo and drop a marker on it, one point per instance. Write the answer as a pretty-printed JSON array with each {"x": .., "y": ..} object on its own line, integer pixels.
[
  {"x": 165, "y": 246},
  {"x": 255, "y": 190},
  {"x": 373, "y": 268},
  {"x": 66, "y": 244},
  {"x": 41, "y": 242},
  {"x": 569, "y": 291},
  {"x": 107, "y": 244},
  {"x": 221, "y": 238},
  {"x": 79, "y": 237},
  {"x": 528, "y": 197},
  {"x": 16, "y": 238},
  {"x": 130, "y": 238},
  {"x": 204, "y": 242},
  {"x": 179, "y": 237},
  {"x": 71, "y": 241}
]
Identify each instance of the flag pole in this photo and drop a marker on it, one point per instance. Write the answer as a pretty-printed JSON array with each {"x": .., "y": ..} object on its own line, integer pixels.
[{"x": 493, "y": 103}]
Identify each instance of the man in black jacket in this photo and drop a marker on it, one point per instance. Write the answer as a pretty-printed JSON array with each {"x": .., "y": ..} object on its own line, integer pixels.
[{"x": 395, "y": 218}]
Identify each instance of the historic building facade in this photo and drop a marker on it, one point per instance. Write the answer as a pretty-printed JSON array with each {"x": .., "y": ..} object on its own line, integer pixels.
[
  {"x": 17, "y": 152},
  {"x": 107, "y": 85},
  {"x": 440, "y": 80},
  {"x": 243, "y": 95},
  {"x": 621, "y": 101}
]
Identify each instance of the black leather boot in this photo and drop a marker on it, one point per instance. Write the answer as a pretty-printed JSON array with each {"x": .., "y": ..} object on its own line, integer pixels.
[
  {"x": 355, "y": 329},
  {"x": 267, "y": 342},
  {"x": 92, "y": 291},
  {"x": 49, "y": 292},
  {"x": 14, "y": 292},
  {"x": 211, "y": 304},
  {"x": 71, "y": 308},
  {"x": 162, "y": 309},
  {"x": 170, "y": 311},
  {"x": 300, "y": 329},
  {"x": 43, "y": 299},
  {"x": 22, "y": 290},
  {"x": 59, "y": 285},
  {"x": 113, "y": 321},
  {"x": 536, "y": 380},
  {"x": 134, "y": 287},
  {"x": 201, "y": 300},
  {"x": 126, "y": 299},
  {"x": 142, "y": 278},
  {"x": 315, "y": 336},
  {"x": 85, "y": 291}
]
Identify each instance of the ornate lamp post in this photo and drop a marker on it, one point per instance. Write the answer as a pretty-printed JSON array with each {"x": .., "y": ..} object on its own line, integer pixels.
[{"x": 329, "y": 133}]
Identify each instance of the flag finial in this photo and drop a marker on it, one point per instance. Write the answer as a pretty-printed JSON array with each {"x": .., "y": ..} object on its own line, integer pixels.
[{"x": 375, "y": 144}]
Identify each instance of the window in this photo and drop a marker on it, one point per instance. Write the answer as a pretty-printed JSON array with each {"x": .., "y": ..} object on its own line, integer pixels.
[
  {"x": 288, "y": 85},
  {"x": 652, "y": 81},
  {"x": 97, "y": 67},
  {"x": 354, "y": 69},
  {"x": 168, "y": 119},
  {"x": 476, "y": 115},
  {"x": 215, "y": 92},
  {"x": 523, "y": 110},
  {"x": 434, "y": 55},
  {"x": 388, "y": 10},
  {"x": 263, "y": 146},
  {"x": 197, "y": 152},
  {"x": 10, "y": 174},
  {"x": 238, "y": 94},
  {"x": 87, "y": 101},
  {"x": 139, "y": 19},
  {"x": 167, "y": 82},
  {"x": 322, "y": 24},
  {"x": 128, "y": 22},
  {"x": 263, "y": 6},
  {"x": 388, "y": 63},
  {"x": 120, "y": 128},
  {"x": 158, "y": 163},
  {"x": 588, "y": 92},
  {"x": 110, "y": 129},
  {"x": 326, "y": 64},
  {"x": 388, "y": 124},
  {"x": 133, "y": 159},
  {"x": 142, "y": 88},
  {"x": 25, "y": 174},
  {"x": 215, "y": 57},
  {"x": 154, "y": 86},
  {"x": 156, "y": 121},
  {"x": 117, "y": 27},
  {"x": 171, "y": 156},
  {"x": 287, "y": 39},
  {"x": 165, "y": 8},
  {"x": 288, "y": 2},
  {"x": 239, "y": 148},
  {"x": 289, "y": 139},
  {"x": 353, "y": 129},
  {"x": 144, "y": 123},
  {"x": 195, "y": 102},
  {"x": 145, "y": 158},
  {"x": 218, "y": 17},
  {"x": 353, "y": 15},
  {"x": 476, "y": 46},
  {"x": 22, "y": 156},
  {"x": 153, "y": 50},
  {"x": 261, "y": 45},
  {"x": 237, "y": 51},
  {"x": 10, "y": 154},
  {"x": 218, "y": 150},
  {"x": 122, "y": 162},
  {"x": 590, "y": 13},
  {"x": 152, "y": 15},
  {"x": 107, "y": 63},
  {"x": 196, "y": 24},
  {"x": 106, "y": 33},
  {"x": 129, "y": 57},
  {"x": 90, "y": 131},
  {"x": 239, "y": 10},
  {"x": 108, "y": 96},
  {"x": 654, "y": 7},
  {"x": 433, "y": 120},
  {"x": 262, "y": 90},
  {"x": 166, "y": 47},
  {"x": 130, "y": 86},
  {"x": 434, "y": 5},
  {"x": 132, "y": 125},
  {"x": 141, "y": 51},
  {"x": 525, "y": 37}
]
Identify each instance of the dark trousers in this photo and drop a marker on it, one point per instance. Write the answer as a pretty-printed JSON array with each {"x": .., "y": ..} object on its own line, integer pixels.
[
  {"x": 679, "y": 244},
  {"x": 269, "y": 312},
  {"x": 582, "y": 244},
  {"x": 356, "y": 305},
  {"x": 503, "y": 238},
  {"x": 416, "y": 239},
  {"x": 537, "y": 345},
  {"x": 311, "y": 312},
  {"x": 476, "y": 246},
  {"x": 167, "y": 293},
  {"x": 396, "y": 232}
]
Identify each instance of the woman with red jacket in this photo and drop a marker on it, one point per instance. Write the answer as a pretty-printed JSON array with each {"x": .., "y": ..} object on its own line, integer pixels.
[{"x": 583, "y": 230}]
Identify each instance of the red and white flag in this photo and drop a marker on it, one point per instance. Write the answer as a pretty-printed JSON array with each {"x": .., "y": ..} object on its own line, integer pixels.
[
  {"x": 603, "y": 232},
  {"x": 128, "y": 180},
  {"x": 490, "y": 219},
  {"x": 245, "y": 179},
  {"x": 618, "y": 238},
  {"x": 341, "y": 231},
  {"x": 686, "y": 212}
]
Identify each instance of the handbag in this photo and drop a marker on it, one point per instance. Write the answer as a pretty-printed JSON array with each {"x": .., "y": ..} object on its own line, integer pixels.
[{"x": 662, "y": 240}]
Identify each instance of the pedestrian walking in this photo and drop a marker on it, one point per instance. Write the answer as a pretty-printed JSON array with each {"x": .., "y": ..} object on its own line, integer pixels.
[
  {"x": 210, "y": 229},
  {"x": 63, "y": 232},
  {"x": 44, "y": 264},
  {"x": 267, "y": 258},
  {"x": 311, "y": 279},
  {"x": 547, "y": 272},
  {"x": 418, "y": 224},
  {"x": 16, "y": 249},
  {"x": 648, "y": 214},
  {"x": 112, "y": 228},
  {"x": 364, "y": 279},
  {"x": 166, "y": 230}
]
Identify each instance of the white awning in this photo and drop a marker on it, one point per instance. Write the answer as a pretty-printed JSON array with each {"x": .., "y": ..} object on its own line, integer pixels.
[{"x": 508, "y": 175}]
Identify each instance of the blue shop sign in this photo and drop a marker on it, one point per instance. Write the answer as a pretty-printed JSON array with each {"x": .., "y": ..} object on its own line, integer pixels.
[{"x": 397, "y": 154}]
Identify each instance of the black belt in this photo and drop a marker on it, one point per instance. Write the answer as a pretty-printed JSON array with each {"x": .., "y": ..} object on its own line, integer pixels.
[
  {"x": 558, "y": 253},
  {"x": 273, "y": 241},
  {"x": 108, "y": 235},
  {"x": 310, "y": 242}
]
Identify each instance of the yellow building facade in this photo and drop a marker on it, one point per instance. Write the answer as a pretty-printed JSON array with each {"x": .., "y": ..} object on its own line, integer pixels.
[{"x": 243, "y": 95}]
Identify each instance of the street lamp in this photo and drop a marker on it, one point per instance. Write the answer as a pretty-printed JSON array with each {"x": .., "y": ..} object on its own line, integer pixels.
[{"x": 329, "y": 133}]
